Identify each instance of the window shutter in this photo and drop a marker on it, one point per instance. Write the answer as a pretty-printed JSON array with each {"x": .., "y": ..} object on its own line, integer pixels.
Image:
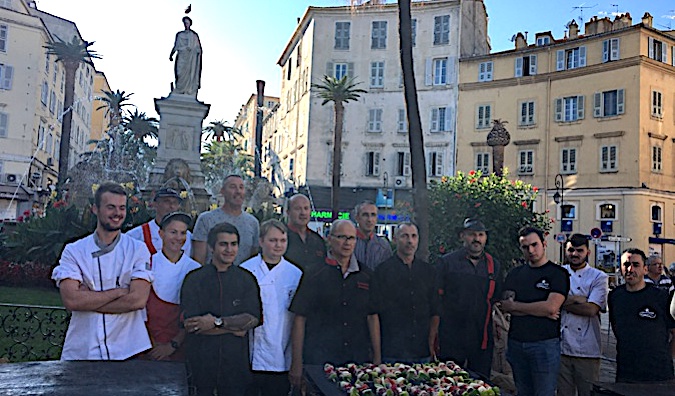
[
  {"x": 434, "y": 120},
  {"x": 406, "y": 163},
  {"x": 519, "y": 67},
  {"x": 573, "y": 160},
  {"x": 452, "y": 71},
  {"x": 488, "y": 116},
  {"x": 479, "y": 116},
  {"x": 523, "y": 113},
  {"x": 448, "y": 119},
  {"x": 619, "y": 101},
  {"x": 597, "y": 104},
  {"x": 560, "y": 60},
  {"x": 580, "y": 107},
  {"x": 650, "y": 45},
  {"x": 564, "y": 160},
  {"x": 376, "y": 163},
  {"x": 582, "y": 56},
  {"x": 439, "y": 163},
  {"x": 558, "y": 105},
  {"x": 664, "y": 52},
  {"x": 428, "y": 76},
  {"x": 605, "y": 50},
  {"x": 371, "y": 120},
  {"x": 533, "y": 65},
  {"x": 615, "y": 51},
  {"x": 3, "y": 124},
  {"x": 330, "y": 69},
  {"x": 488, "y": 71},
  {"x": 350, "y": 69},
  {"x": 6, "y": 82}
]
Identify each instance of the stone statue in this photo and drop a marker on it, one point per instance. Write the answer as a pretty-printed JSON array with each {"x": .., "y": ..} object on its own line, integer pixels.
[
  {"x": 175, "y": 170},
  {"x": 188, "y": 66}
]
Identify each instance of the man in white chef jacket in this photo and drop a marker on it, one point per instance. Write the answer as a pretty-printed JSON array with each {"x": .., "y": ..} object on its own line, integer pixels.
[
  {"x": 278, "y": 279},
  {"x": 104, "y": 279}
]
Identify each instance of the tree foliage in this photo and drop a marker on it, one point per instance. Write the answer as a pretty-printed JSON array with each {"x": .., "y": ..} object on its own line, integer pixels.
[
  {"x": 503, "y": 205},
  {"x": 222, "y": 158}
]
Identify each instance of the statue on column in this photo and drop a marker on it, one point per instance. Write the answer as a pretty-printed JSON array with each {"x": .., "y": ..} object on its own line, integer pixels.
[{"x": 188, "y": 65}]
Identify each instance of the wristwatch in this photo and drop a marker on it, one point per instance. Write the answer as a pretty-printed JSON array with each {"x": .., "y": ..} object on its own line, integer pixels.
[
  {"x": 218, "y": 322},
  {"x": 174, "y": 344}
]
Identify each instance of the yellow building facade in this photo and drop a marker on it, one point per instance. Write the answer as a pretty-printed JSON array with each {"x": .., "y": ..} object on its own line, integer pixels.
[{"x": 597, "y": 109}]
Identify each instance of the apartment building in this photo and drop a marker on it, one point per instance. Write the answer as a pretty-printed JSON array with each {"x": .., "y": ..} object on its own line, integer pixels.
[
  {"x": 246, "y": 120},
  {"x": 99, "y": 122},
  {"x": 362, "y": 42},
  {"x": 595, "y": 110}
]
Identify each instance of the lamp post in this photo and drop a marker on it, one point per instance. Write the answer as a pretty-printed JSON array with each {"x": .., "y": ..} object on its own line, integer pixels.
[
  {"x": 385, "y": 178},
  {"x": 559, "y": 199}
]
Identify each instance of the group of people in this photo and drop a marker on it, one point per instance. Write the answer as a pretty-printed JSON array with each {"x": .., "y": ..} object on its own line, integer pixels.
[{"x": 248, "y": 306}]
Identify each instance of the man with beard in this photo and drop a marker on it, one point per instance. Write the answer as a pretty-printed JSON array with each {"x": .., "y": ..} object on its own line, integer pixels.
[
  {"x": 234, "y": 192},
  {"x": 306, "y": 248},
  {"x": 469, "y": 283},
  {"x": 580, "y": 342},
  {"x": 104, "y": 280},
  {"x": 642, "y": 324},
  {"x": 167, "y": 200},
  {"x": 370, "y": 249},
  {"x": 407, "y": 302}
]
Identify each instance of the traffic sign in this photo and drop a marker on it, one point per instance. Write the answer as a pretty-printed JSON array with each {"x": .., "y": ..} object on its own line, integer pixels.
[
  {"x": 596, "y": 233},
  {"x": 619, "y": 239},
  {"x": 560, "y": 238}
]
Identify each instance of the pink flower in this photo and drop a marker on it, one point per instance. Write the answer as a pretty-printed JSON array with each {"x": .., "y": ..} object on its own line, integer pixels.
[{"x": 472, "y": 172}]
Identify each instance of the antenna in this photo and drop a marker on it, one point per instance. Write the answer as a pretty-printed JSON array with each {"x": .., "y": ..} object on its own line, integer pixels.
[
  {"x": 513, "y": 38},
  {"x": 616, "y": 8},
  {"x": 581, "y": 9}
]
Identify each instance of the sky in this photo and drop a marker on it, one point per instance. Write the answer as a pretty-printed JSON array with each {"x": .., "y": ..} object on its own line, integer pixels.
[{"x": 242, "y": 40}]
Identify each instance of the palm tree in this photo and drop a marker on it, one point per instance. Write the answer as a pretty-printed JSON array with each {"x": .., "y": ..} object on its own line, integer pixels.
[
  {"x": 114, "y": 103},
  {"x": 218, "y": 130},
  {"x": 71, "y": 54},
  {"x": 339, "y": 92},
  {"x": 221, "y": 158},
  {"x": 141, "y": 125},
  {"x": 415, "y": 135}
]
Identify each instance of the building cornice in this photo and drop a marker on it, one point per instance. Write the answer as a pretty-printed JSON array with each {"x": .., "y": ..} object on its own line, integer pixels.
[
  {"x": 657, "y": 136},
  {"x": 604, "y": 135},
  {"x": 569, "y": 138}
]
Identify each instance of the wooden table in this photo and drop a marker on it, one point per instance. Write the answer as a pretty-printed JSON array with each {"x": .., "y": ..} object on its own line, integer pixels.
[{"x": 101, "y": 378}]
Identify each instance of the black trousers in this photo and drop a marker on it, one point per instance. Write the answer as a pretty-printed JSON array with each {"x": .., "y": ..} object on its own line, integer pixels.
[{"x": 269, "y": 383}]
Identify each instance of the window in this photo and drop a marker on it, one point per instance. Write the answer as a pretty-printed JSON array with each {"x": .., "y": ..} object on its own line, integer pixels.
[
  {"x": 485, "y": 71},
  {"x": 607, "y": 211},
  {"x": 372, "y": 163},
  {"x": 44, "y": 94},
  {"x": 340, "y": 69},
  {"x": 610, "y": 50},
  {"x": 52, "y": 102},
  {"x": 608, "y": 158},
  {"x": 483, "y": 116},
  {"x": 657, "y": 50},
  {"x": 656, "y": 213},
  {"x": 4, "y": 124},
  {"x": 569, "y": 109},
  {"x": 525, "y": 162},
  {"x": 571, "y": 58},
  {"x": 568, "y": 160},
  {"x": 526, "y": 113},
  {"x": 441, "y": 29},
  {"x": 377, "y": 74},
  {"x": 375, "y": 120},
  {"x": 440, "y": 71},
  {"x": 47, "y": 64},
  {"x": 6, "y": 75},
  {"x": 440, "y": 119},
  {"x": 413, "y": 26},
  {"x": 49, "y": 143},
  {"x": 3, "y": 38},
  {"x": 526, "y": 66},
  {"x": 483, "y": 162},
  {"x": 291, "y": 167},
  {"x": 657, "y": 104},
  {"x": 379, "y": 35},
  {"x": 608, "y": 103},
  {"x": 289, "y": 69},
  {"x": 59, "y": 111},
  {"x": 342, "y": 35},
  {"x": 402, "y": 121},
  {"x": 657, "y": 159},
  {"x": 403, "y": 163},
  {"x": 56, "y": 71},
  {"x": 545, "y": 40},
  {"x": 57, "y": 153},
  {"x": 435, "y": 163}
]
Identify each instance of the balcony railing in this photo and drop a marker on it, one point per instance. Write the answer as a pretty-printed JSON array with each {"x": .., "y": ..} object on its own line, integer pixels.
[{"x": 30, "y": 333}]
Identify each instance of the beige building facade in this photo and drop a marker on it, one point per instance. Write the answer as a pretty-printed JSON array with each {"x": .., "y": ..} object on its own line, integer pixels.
[
  {"x": 598, "y": 109},
  {"x": 246, "y": 120},
  {"x": 362, "y": 42},
  {"x": 99, "y": 122}
]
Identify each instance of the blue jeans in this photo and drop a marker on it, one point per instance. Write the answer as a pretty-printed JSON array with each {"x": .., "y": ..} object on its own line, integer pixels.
[{"x": 535, "y": 366}]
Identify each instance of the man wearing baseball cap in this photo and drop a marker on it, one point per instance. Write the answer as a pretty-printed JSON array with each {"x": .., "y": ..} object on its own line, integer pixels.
[
  {"x": 167, "y": 200},
  {"x": 468, "y": 286}
]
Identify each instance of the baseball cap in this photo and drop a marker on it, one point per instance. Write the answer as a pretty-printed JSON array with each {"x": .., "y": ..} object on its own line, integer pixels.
[
  {"x": 182, "y": 216},
  {"x": 167, "y": 192},
  {"x": 473, "y": 225}
]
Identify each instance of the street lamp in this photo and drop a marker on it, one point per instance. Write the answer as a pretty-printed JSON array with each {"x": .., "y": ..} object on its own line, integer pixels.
[
  {"x": 559, "y": 199},
  {"x": 385, "y": 178}
]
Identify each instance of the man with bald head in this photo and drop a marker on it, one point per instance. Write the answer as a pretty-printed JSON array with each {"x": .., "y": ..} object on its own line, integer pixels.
[
  {"x": 335, "y": 320},
  {"x": 306, "y": 248}
]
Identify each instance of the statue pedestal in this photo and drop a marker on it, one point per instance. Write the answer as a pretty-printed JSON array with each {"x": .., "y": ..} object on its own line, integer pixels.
[{"x": 180, "y": 130}]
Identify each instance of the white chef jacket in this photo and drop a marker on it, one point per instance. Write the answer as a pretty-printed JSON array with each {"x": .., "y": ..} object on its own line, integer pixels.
[
  {"x": 168, "y": 276},
  {"x": 137, "y": 233},
  {"x": 270, "y": 343},
  {"x": 97, "y": 336}
]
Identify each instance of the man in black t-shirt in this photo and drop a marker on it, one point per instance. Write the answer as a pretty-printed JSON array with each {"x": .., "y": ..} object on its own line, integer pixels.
[
  {"x": 533, "y": 294},
  {"x": 306, "y": 248},
  {"x": 641, "y": 321}
]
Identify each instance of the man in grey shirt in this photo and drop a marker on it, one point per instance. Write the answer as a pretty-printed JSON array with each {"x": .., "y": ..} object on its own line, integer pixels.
[
  {"x": 234, "y": 192},
  {"x": 371, "y": 249}
]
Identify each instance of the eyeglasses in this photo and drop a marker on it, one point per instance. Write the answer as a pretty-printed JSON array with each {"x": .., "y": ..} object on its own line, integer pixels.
[{"x": 345, "y": 238}]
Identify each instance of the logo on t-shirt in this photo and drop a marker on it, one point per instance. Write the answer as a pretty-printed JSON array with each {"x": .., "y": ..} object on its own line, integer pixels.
[
  {"x": 647, "y": 314},
  {"x": 543, "y": 285}
]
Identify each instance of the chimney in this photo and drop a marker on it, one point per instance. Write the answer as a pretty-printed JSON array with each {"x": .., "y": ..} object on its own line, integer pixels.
[
  {"x": 520, "y": 41},
  {"x": 647, "y": 19},
  {"x": 574, "y": 29}
]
